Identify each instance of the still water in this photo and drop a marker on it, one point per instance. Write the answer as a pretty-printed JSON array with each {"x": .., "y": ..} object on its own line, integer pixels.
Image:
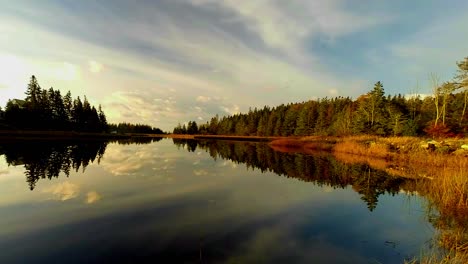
[{"x": 179, "y": 201}]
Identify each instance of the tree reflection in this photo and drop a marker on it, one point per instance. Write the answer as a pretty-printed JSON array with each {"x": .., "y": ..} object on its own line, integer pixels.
[
  {"x": 47, "y": 159},
  {"x": 322, "y": 169},
  {"x": 138, "y": 140}
]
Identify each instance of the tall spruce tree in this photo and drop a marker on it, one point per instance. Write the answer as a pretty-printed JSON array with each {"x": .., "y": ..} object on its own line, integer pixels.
[{"x": 33, "y": 93}]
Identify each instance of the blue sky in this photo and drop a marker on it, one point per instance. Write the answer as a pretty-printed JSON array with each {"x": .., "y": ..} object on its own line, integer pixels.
[{"x": 168, "y": 61}]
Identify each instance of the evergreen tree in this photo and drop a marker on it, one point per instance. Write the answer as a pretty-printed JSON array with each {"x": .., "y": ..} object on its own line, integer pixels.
[
  {"x": 192, "y": 128},
  {"x": 102, "y": 120},
  {"x": 33, "y": 93},
  {"x": 77, "y": 114},
  {"x": 290, "y": 121},
  {"x": 68, "y": 104}
]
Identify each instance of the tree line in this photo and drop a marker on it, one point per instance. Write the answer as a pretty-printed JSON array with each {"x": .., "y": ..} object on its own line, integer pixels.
[
  {"x": 134, "y": 128},
  {"x": 442, "y": 114},
  {"x": 190, "y": 129},
  {"x": 48, "y": 109}
]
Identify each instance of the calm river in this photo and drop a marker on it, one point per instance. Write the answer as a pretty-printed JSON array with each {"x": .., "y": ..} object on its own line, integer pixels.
[{"x": 178, "y": 201}]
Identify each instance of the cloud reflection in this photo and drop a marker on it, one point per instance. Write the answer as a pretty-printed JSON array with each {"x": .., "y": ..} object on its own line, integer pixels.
[
  {"x": 92, "y": 197},
  {"x": 135, "y": 160},
  {"x": 63, "y": 191}
]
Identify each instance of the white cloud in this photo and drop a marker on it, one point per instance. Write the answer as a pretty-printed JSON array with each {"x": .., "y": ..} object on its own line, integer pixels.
[
  {"x": 286, "y": 26},
  {"x": 232, "y": 110},
  {"x": 333, "y": 92},
  {"x": 203, "y": 99},
  {"x": 66, "y": 71},
  {"x": 95, "y": 67}
]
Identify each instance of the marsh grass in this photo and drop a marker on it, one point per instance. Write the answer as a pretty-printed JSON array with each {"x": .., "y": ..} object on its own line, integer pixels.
[
  {"x": 305, "y": 145},
  {"x": 443, "y": 175}
]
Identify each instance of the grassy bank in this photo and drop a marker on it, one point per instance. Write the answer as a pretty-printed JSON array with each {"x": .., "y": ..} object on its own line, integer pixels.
[
  {"x": 442, "y": 167},
  {"x": 412, "y": 151}
]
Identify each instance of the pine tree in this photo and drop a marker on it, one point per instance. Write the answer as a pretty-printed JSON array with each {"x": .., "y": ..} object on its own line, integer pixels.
[
  {"x": 77, "y": 114},
  {"x": 192, "y": 128},
  {"x": 68, "y": 104},
  {"x": 33, "y": 92},
  {"x": 102, "y": 119}
]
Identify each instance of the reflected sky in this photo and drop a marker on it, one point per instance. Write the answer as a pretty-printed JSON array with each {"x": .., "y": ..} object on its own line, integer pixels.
[{"x": 155, "y": 202}]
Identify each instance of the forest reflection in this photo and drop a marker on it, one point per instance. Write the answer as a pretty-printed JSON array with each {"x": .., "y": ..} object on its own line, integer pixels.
[
  {"x": 47, "y": 159},
  {"x": 321, "y": 169}
]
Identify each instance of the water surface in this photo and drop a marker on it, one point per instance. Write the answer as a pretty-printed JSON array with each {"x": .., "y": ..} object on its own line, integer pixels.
[{"x": 205, "y": 202}]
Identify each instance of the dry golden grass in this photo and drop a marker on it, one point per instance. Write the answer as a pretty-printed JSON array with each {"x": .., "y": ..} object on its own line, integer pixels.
[
  {"x": 363, "y": 147},
  {"x": 400, "y": 149},
  {"x": 445, "y": 175},
  {"x": 450, "y": 189},
  {"x": 447, "y": 195},
  {"x": 434, "y": 258}
]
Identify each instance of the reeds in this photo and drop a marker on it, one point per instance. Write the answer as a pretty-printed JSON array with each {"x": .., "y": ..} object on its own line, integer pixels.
[{"x": 443, "y": 173}]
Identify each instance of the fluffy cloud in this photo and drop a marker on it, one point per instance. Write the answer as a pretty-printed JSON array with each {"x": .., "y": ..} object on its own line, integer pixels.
[
  {"x": 66, "y": 71},
  {"x": 203, "y": 99},
  {"x": 95, "y": 67},
  {"x": 232, "y": 110}
]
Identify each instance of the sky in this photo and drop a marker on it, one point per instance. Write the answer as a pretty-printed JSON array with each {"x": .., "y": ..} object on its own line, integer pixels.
[{"x": 164, "y": 62}]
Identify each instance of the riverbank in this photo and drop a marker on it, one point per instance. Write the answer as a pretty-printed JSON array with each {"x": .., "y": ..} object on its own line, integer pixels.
[
  {"x": 441, "y": 166},
  {"x": 411, "y": 152}
]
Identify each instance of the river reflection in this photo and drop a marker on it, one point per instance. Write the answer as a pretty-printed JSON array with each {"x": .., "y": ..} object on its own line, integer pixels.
[
  {"x": 322, "y": 169},
  {"x": 199, "y": 202}
]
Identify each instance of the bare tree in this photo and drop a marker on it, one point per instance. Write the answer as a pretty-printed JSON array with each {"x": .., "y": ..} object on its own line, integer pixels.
[
  {"x": 434, "y": 82},
  {"x": 462, "y": 78}
]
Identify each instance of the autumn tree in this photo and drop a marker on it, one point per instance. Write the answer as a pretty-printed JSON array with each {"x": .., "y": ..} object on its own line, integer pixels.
[{"x": 462, "y": 83}]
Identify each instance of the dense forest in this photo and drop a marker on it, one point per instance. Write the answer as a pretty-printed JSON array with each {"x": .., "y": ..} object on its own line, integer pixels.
[
  {"x": 442, "y": 114},
  {"x": 44, "y": 109}
]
